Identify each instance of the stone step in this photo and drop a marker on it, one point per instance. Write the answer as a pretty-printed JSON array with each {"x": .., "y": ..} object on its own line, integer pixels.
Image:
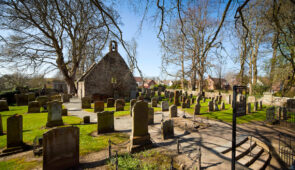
[
  {"x": 251, "y": 157},
  {"x": 227, "y": 148},
  {"x": 261, "y": 162},
  {"x": 241, "y": 150}
]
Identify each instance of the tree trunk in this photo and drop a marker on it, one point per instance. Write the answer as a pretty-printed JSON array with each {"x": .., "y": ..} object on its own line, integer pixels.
[{"x": 273, "y": 59}]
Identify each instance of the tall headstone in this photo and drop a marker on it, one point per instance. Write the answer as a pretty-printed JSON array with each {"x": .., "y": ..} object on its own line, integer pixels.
[
  {"x": 14, "y": 132},
  {"x": 176, "y": 98},
  {"x": 222, "y": 106},
  {"x": 248, "y": 108},
  {"x": 86, "y": 102},
  {"x": 43, "y": 101},
  {"x": 255, "y": 106},
  {"x": 260, "y": 105},
  {"x": 167, "y": 129},
  {"x": 98, "y": 106},
  {"x": 210, "y": 106},
  {"x": 105, "y": 122},
  {"x": 291, "y": 105},
  {"x": 65, "y": 98},
  {"x": 119, "y": 104},
  {"x": 204, "y": 99},
  {"x": 197, "y": 109},
  {"x": 165, "y": 106},
  {"x": 173, "y": 111},
  {"x": 3, "y": 105},
  {"x": 21, "y": 99},
  {"x": 151, "y": 116},
  {"x": 140, "y": 136},
  {"x": 154, "y": 102},
  {"x": 110, "y": 102},
  {"x": 61, "y": 148},
  {"x": 54, "y": 117},
  {"x": 31, "y": 97},
  {"x": 188, "y": 103},
  {"x": 132, "y": 102},
  {"x": 1, "y": 126},
  {"x": 216, "y": 106},
  {"x": 34, "y": 107}
]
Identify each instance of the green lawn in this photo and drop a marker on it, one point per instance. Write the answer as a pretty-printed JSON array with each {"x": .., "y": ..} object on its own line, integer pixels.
[
  {"x": 33, "y": 125},
  {"x": 226, "y": 115}
]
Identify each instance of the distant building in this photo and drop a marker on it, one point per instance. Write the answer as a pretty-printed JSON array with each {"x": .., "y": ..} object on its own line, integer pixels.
[
  {"x": 149, "y": 83},
  {"x": 216, "y": 83},
  {"x": 138, "y": 81},
  {"x": 56, "y": 84},
  {"x": 110, "y": 77},
  {"x": 166, "y": 82}
]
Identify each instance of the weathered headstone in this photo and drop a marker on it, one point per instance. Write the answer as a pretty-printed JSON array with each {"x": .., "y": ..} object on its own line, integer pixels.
[
  {"x": 290, "y": 105},
  {"x": 119, "y": 104},
  {"x": 105, "y": 122},
  {"x": 167, "y": 129},
  {"x": 54, "y": 114},
  {"x": 61, "y": 148},
  {"x": 31, "y": 97},
  {"x": 64, "y": 112},
  {"x": 56, "y": 97},
  {"x": 21, "y": 99},
  {"x": 219, "y": 99},
  {"x": 210, "y": 106},
  {"x": 1, "y": 126},
  {"x": 139, "y": 135},
  {"x": 192, "y": 100},
  {"x": 188, "y": 103},
  {"x": 151, "y": 116},
  {"x": 98, "y": 106},
  {"x": 216, "y": 106},
  {"x": 228, "y": 99},
  {"x": 4, "y": 105},
  {"x": 140, "y": 98},
  {"x": 132, "y": 102},
  {"x": 165, "y": 106},
  {"x": 176, "y": 98},
  {"x": 183, "y": 105},
  {"x": 197, "y": 109},
  {"x": 260, "y": 105},
  {"x": 110, "y": 102},
  {"x": 86, "y": 119},
  {"x": 154, "y": 102},
  {"x": 173, "y": 111},
  {"x": 248, "y": 108},
  {"x": 204, "y": 99},
  {"x": 43, "y": 101},
  {"x": 222, "y": 106},
  {"x": 14, "y": 132},
  {"x": 34, "y": 107},
  {"x": 65, "y": 98},
  {"x": 86, "y": 102},
  {"x": 255, "y": 106}
]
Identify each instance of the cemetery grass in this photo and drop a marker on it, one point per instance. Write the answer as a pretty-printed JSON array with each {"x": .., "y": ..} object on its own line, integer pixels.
[{"x": 226, "y": 115}]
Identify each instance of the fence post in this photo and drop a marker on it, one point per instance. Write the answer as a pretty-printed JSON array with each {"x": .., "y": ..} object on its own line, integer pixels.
[{"x": 110, "y": 149}]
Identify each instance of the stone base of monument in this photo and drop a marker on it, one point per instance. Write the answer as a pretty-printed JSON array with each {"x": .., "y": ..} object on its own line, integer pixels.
[
  {"x": 54, "y": 123},
  {"x": 139, "y": 143},
  {"x": 14, "y": 150}
]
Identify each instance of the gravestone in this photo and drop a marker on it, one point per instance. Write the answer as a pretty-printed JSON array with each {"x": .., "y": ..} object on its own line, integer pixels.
[
  {"x": 173, "y": 111},
  {"x": 105, "y": 122},
  {"x": 284, "y": 113},
  {"x": 167, "y": 129},
  {"x": 43, "y": 101},
  {"x": 228, "y": 99},
  {"x": 110, "y": 102},
  {"x": 197, "y": 109},
  {"x": 183, "y": 105},
  {"x": 216, "y": 106},
  {"x": 152, "y": 93},
  {"x": 54, "y": 114},
  {"x": 86, "y": 102},
  {"x": 21, "y": 99},
  {"x": 171, "y": 95},
  {"x": 61, "y": 148},
  {"x": 65, "y": 98},
  {"x": 260, "y": 105},
  {"x": 140, "y": 136},
  {"x": 56, "y": 97},
  {"x": 248, "y": 108},
  {"x": 98, "y": 106},
  {"x": 132, "y": 102},
  {"x": 119, "y": 104},
  {"x": 14, "y": 133},
  {"x": 192, "y": 100},
  {"x": 255, "y": 106},
  {"x": 86, "y": 119},
  {"x": 165, "y": 106},
  {"x": 251, "y": 99},
  {"x": 222, "y": 106},
  {"x": 176, "y": 98},
  {"x": 151, "y": 116},
  {"x": 204, "y": 99},
  {"x": 291, "y": 105},
  {"x": 140, "y": 98},
  {"x": 270, "y": 114},
  {"x": 133, "y": 94},
  {"x": 31, "y": 97},
  {"x": 4, "y": 105},
  {"x": 64, "y": 112},
  {"x": 219, "y": 99},
  {"x": 34, "y": 107},
  {"x": 210, "y": 106},
  {"x": 188, "y": 103},
  {"x": 1, "y": 126},
  {"x": 154, "y": 102}
]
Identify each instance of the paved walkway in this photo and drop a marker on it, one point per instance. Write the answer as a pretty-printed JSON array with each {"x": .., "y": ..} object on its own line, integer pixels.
[{"x": 212, "y": 139}]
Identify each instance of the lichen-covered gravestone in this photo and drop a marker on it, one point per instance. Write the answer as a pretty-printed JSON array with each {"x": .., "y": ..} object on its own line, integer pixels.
[
  {"x": 86, "y": 103},
  {"x": 54, "y": 114},
  {"x": 14, "y": 133},
  {"x": 140, "y": 136},
  {"x": 173, "y": 111},
  {"x": 3, "y": 105},
  {"x": 110, "y": 102},
  {"x": 1, "y": 126},
  {"x": 167, "y": 129},
  {"x": 43, "y": 101},
  {"x": 210, "y": 106},
  {"x": 61, "y": 148},
  {"x": 154, "y": 102},
  {"x": 21, "y": 99},
  {"x": 34, "y": 107},
  {"x": 132, "y": 102},
  {"x": 119, "y": 104},
  {"x": 165, "y": 106},
  {"x": 105, "y": 122},
  {"x": 197, "y": 109},
  {"x": 151, "y": 116},
  {"x": 98, "y": 106}
]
